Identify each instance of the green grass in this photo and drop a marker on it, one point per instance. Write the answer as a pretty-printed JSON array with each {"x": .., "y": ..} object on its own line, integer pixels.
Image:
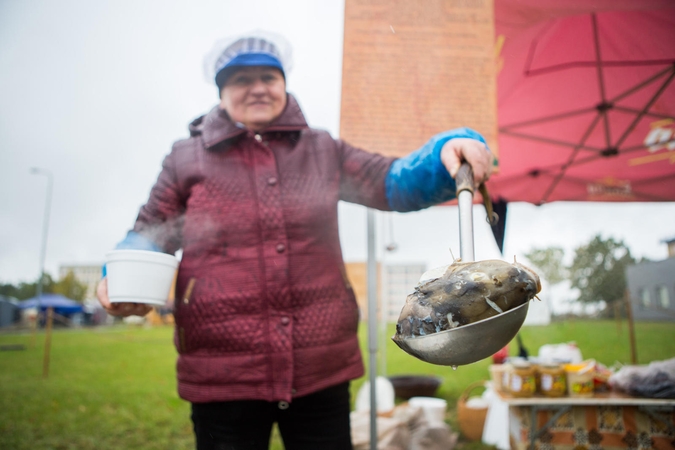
[
  {"x": 603, "y": 341},
  {"x": 108, "y": 388},
  {"x": 114, "y": 388}
]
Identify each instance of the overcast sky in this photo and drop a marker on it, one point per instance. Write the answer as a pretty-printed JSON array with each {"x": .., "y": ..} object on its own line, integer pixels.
[{"x": 97, "y": 91}]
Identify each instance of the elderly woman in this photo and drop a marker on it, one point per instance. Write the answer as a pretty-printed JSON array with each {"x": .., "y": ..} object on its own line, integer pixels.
[{"x": 269, "y": 332}]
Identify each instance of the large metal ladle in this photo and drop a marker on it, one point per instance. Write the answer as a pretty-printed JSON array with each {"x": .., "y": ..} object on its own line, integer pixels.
[{"x": 475, "y": 341}]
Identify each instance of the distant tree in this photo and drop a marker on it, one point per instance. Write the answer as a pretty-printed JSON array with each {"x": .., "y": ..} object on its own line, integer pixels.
[
  {"x": 24, "y": 290},
  {"x": 598, "y": 270},
  {"x": 548, "y": 261},
  {"x": 70, "y": 287},
  {"x": 8, "y": 289}
]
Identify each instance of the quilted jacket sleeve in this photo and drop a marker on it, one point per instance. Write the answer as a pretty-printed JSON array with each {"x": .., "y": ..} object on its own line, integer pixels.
[
  {"x": 160, "y": 220},
  {"x": 416, "y": 181},
  {"x": 362, "y": 176}
]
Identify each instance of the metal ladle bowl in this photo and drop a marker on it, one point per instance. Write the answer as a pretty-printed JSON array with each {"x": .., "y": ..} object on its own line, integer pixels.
[
  {"x": 478, "y": 340},
  {"x": 468, "y": 343}
]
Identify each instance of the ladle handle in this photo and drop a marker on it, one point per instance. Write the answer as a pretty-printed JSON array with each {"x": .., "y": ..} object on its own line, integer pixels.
[
  {"x": 465, "y": 189},
  {"x": 464, "y": 179}
]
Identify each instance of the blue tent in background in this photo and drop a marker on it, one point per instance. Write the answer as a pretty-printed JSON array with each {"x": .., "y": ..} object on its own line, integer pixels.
[{"x": 62, "y": 305}]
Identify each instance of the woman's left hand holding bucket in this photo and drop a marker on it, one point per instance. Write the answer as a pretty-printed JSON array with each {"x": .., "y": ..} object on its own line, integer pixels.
[{"x": 119, "y": 309}]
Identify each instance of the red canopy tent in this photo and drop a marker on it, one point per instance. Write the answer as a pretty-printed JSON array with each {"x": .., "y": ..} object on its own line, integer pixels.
[{"x": 586, "y": 102}]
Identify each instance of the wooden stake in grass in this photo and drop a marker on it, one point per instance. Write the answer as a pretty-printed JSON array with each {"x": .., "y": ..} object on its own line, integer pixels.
[
  {"x": 617, "y": 316},
  {"x": 631, "y": 328},
  {"x": 34, "y": 327},
  {"x": 48, "y": 342}
]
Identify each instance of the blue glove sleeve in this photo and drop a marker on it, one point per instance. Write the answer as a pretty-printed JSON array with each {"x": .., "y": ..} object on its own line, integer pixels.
[
  {"x": 134, "y": 241},
  {"x": 420, "y": 179}
]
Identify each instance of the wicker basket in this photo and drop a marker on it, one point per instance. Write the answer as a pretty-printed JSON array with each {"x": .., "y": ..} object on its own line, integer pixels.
[{"x": 471, "y": 420}]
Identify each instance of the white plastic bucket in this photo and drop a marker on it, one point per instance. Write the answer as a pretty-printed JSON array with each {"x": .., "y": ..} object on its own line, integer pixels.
[
  {"x": 384, "y": 396},
  {"x": 434, "y": 408},
  {"x": 140, "y": 276}
]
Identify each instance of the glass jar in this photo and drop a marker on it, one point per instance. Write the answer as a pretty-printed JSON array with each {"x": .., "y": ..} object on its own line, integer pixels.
[
  {"x": 580, "y": 378},
  {"x": 499, "y": 374},
  {"x": 552, "y": 381},
  {"x": 522, "y": 382},
  {"x": 506, "y": 374}
]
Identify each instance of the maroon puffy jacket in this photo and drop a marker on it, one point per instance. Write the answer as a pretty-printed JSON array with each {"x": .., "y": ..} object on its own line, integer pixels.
[{"x": 263, "y": 308}]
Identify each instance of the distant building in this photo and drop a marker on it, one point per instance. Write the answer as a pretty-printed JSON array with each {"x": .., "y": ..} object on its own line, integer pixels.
[
  {"x": 88, "y": 274},
  {"x": 671, "y": 247},
  {"x": 357, "y": 276},
  {"x": 395, "y": 282},
  {"x": 398, "y": 281},
  {"x": 9, "y": 311},
  {"x": 652, "y": 288}
]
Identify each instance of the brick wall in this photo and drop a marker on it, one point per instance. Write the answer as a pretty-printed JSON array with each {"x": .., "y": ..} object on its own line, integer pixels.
[{"x": 415, "y": 68}]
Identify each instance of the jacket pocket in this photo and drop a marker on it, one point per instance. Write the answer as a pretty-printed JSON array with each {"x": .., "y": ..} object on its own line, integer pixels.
[{"x": 183, "y": 302}]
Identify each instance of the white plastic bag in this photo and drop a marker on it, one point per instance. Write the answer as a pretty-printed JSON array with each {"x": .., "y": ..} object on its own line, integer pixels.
[
  {"x": 384, "y": 396},
  {"x": 404, "y": 428},
  {"x": 560, "y": 353},
  {"x": 655, "y": 380},
  {"x": 392, "y": 433},
  {"x": 496, "y": 429}
]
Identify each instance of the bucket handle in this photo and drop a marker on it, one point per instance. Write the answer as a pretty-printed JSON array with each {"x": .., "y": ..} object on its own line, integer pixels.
[{"x": 464, "y": 396}]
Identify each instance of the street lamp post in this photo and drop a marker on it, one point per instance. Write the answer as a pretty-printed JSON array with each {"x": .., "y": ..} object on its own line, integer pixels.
[
  {"x": 43, "y": 252},
  {"x": 45, "y": 230}
]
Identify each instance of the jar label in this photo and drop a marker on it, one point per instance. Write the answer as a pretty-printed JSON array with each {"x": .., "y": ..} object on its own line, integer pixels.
[
  {"x": 546, "y": 382},
  {"x": 582, "y": 387},
  {"x": 516, "y": 383},
  {"x": 525, "y": 384},
  {"x": 553, "y": 383}
]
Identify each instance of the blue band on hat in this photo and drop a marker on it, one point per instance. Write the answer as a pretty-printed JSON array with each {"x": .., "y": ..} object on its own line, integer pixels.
[
  {"x": 254, "y": 59},
  {"x": 251, "y": 59}
]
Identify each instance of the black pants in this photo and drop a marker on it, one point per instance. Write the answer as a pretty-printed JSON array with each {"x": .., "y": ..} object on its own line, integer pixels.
[{"x": 318, "y": 421}]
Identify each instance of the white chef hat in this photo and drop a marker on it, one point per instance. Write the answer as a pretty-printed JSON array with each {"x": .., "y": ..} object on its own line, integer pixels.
[{"x": 257, "y": 48}]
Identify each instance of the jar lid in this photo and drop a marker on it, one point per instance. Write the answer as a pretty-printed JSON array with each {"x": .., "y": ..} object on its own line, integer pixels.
[
  {"x": 551, "y": 365},
  {"x": 521, "y": 364}
]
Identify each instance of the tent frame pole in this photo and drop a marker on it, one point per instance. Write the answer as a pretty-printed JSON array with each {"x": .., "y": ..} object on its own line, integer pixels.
[{"x": 372, "y": 325}]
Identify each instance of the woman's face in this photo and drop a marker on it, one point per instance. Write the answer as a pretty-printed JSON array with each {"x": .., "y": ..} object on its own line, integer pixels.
[{"x": 254, "y": 96}]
